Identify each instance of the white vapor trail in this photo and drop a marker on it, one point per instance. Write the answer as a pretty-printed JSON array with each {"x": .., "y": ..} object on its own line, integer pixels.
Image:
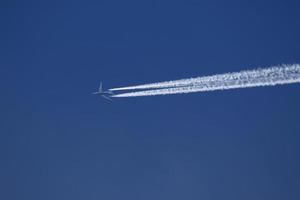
[
  {"x": 278, "y": 75},
  {"x": 190, "y": 81}
]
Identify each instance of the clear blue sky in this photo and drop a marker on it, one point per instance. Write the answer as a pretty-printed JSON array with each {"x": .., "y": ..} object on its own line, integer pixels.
[{"x": 57, "y": 141}]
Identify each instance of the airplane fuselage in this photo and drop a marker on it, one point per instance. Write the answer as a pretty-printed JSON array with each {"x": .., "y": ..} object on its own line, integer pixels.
[{"x": 104, "y": 93}]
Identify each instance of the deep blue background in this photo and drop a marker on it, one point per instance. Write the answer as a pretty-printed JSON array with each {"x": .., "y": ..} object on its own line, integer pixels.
[{"x": 57, "y": 141}]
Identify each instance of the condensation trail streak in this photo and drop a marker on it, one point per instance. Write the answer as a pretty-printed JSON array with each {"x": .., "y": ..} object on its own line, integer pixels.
[
  {"x": 190, "y": 81},
  {"x": 285, "y": 74}
]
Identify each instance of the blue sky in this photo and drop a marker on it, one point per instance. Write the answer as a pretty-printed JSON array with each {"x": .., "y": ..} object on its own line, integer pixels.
[{"x": 57, "y": 141}]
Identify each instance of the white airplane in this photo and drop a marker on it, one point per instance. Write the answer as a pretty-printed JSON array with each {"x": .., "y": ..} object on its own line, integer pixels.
[{"x": 104, "y": 94}]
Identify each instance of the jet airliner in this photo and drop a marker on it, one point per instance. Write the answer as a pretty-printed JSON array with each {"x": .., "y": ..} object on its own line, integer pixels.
[{"x": 104, "y": 94}]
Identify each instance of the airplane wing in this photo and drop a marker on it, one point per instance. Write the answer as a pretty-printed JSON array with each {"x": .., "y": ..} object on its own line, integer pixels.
[{"x": 106, "y": 97}]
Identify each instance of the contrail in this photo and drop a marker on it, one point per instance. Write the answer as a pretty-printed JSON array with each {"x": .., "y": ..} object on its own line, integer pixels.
[{"x": 278, "y": 75}]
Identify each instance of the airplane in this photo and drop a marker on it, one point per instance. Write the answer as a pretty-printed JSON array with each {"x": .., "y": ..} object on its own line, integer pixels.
[{"x": 104, "y": 94}]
